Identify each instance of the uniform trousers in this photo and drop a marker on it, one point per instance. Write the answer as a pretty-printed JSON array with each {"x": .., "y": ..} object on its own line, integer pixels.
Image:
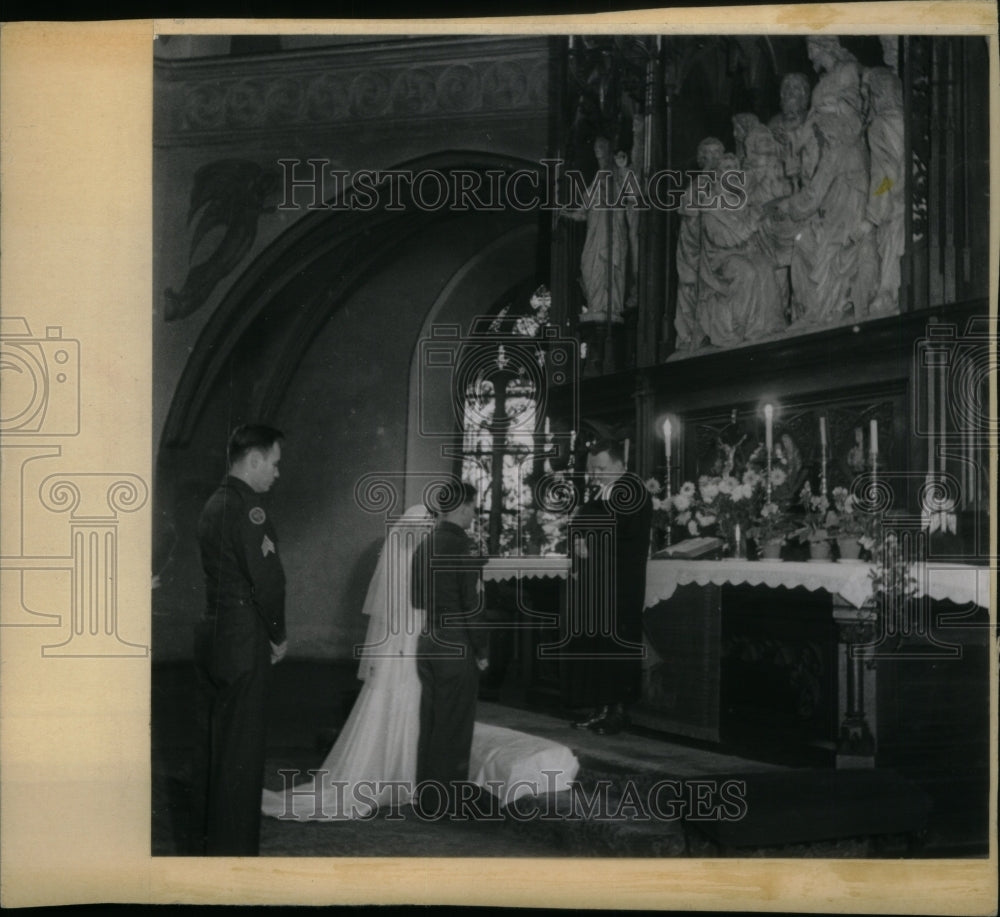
[
  {"x": 447, "y": 715},
  {"x": 233, "y": 721}
]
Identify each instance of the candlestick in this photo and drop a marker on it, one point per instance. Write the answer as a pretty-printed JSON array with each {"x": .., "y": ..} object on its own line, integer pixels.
[
  {"x": 822, "y": 458},
  {"x": 768, "y": 443},
  {"x": 667, "y": 436}
]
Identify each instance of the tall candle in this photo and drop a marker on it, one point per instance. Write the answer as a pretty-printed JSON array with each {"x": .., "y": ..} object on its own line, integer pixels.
[
  {"x": 667, "y": 433},
  {"x": 548, "y": 429},
  {"x": 822, "y": 455},
  {"x": 627, "y": 441},
  {"x": 873, "y": 433},
  {"x": 768, "y": 427}
]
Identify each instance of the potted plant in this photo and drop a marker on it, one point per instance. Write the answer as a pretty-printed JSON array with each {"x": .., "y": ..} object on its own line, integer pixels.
[
  {"x": 774, "y": 522},
  {"x": 848, "y": 524},
  {"x": 770, "y": 529},
  {"x": 818, "y": 518}
]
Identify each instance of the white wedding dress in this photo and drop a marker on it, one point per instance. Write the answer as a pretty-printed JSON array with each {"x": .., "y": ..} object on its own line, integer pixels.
[{"x": 373, "y": 763}]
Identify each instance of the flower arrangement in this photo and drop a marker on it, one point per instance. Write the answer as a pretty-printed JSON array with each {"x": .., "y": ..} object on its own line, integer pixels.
[
  {"x": 818, "y": 516},
  {"x": 775, "y": 522},
  {"x": 754, "y": 501},
  {"x": 848, "y": 520},
  {"x": 675, "y": 510},
  {"x": 852, "y": 523}
]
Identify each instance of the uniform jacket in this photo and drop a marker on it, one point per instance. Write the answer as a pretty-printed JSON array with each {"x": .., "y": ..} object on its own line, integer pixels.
[
  {"x": 445, "y": 581},
  {"x": 244, "y": 578}
]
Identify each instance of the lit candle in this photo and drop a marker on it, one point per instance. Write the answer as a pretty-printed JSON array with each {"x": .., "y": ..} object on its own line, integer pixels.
[
  {"x": 873, "y": 433},
  {"x": 667, "y": 431},
  {"x": 768, "y": 427}
]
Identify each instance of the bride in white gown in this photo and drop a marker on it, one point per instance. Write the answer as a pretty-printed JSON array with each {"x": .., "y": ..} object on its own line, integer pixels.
[{"x": 373, "y": 763}]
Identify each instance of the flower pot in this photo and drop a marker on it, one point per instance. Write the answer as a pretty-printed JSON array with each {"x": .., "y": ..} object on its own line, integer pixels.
[
  {"x": 819, "y": 550},
  {"x": 849, "y": 547},
  {"x": 771, "y": 550}
]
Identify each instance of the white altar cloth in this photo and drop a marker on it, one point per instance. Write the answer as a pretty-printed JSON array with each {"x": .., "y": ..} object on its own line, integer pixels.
[
  {"x": 959, "y": 583},
  {"x": 533, "y": 566}
]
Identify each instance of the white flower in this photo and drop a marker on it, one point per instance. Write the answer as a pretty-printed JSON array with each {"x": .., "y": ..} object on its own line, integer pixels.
[
  {"x": 727, "y": 485},
  {"x": 681, "y": 502},
  {"x": 688, "y": 489},
  {"x": 693, "y": 527},
  {"x": 778, "y": 477},
  {"x": 653, "y": 486}
]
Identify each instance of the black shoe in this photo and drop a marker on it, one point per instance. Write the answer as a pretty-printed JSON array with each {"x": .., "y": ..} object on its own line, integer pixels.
[
  {"x": 596, "y": 716},
  {"x": 609, "y": 725}
]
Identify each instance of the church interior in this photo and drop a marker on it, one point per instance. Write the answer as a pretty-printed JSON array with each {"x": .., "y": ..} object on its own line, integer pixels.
[{"x": 473, "y": 256}]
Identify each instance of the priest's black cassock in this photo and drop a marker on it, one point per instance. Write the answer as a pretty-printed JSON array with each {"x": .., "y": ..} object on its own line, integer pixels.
[{"x": 606, "y": 595}]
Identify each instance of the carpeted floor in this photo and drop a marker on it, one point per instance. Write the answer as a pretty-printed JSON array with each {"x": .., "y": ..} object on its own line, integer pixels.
[{"x": 700, "y": 811}]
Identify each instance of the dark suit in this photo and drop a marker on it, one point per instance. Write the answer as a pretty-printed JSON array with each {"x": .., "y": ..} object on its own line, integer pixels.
[
  {"x": 607, "y": 593},
  {"x": 245, "y": 613},
  {"x": 445, "y": 582}
]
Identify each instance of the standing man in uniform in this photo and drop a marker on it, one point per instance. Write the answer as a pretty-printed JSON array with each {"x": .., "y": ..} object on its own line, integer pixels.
[
  {"x": 609, "y": 584},
  {"x": 241, "y": 636},
  {"x": 450, "y": 654}
]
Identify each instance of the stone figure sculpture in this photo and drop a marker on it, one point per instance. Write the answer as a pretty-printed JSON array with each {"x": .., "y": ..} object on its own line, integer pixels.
[
  {"x": 604, "y": 261},
  {"x": 887, "y": 187},
  {"x": 739, "y": 298},
  {"x": 833, "y": 259},
  {"x": 787, "y": 127},
  {"x": 710, "y": 150}
]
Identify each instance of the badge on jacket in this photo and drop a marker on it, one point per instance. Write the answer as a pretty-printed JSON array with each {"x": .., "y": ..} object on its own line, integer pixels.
[
  {"x": 257, "y": 515},
  {"x": 267, "y": 546}
]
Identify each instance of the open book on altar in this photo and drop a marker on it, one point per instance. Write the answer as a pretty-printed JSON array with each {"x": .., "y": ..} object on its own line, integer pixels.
[{"x": 692, "y": 548}]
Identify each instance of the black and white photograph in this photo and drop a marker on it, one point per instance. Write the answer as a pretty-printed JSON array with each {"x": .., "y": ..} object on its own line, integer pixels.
[
  {"x": 699, "y": 323},
  {"x": 566, "y": 451}
]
